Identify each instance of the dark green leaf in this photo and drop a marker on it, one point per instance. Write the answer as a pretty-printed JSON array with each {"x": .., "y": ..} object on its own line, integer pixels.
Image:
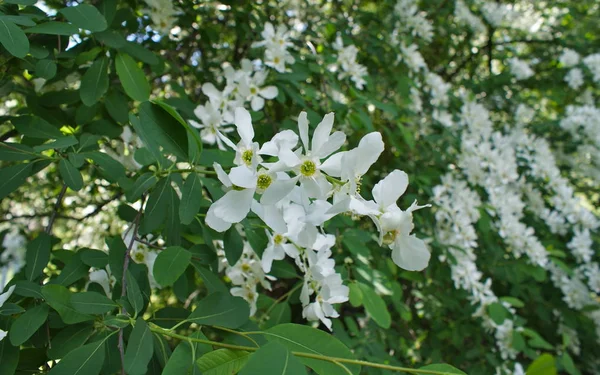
[
  {"x": 132, "y": 78},
  {"x": 116, "y": 255},
  {"x": 45, "y": 68},
  {"x": 13, "y": 38},
  {"x": 86, "y": 360},
  {"x": 16, "y": 152},
  {"x": 221, "y": 309},
  {"x": 156, "y": 209},
  {"x": 157, "y": 128},
  {"x": 59, "y": 143},
  {"x": 141, "y": 185},
  {"x": 27, "y": 288},
  {"x": 140, "y": 53},
  {"x": 191, "y": 198},
  {"x": 309, "y": 340},
  {"x": 116, "y": 105},
  {"x": 18, "y": 20},
  {"x": 139, "y": 349},
  {"x": 37, "y": 255},
  {"x": 73, "y": 271},
  {"x": 9, "y": 357},
  {"x": 11, "y": 309},
  {"x": 134, "y": 294},
  {"x": 233, "y": 244},
  {"x": 12, "y": 177},
  {"x": 94, "y": 83},
  {"x": 110, "y": 166},
  {"x": 59, "y": 298},
  {"x": 70, "y": 175},
  {"x": 275, "y": 359},
  {"x": 85, "y": 16},
  {"x": 26, "y": 325},
  {"x": 444, "y": 368},
  {"x": 69, "y": 339},
  {"x": 53, "y": 28},
  {"x": 375, "y": 306},
  {"x": 111, "y": 38},
  {"x": 36, "y": 127},
  {"x": 92, "y": 303},
  {"x": 213, "y": 282},
  {"x": 173, "y": 230},
  {"x": 170, "y": 264},
  {"x": 94, "y": 258},
  {"x": 280, "y": 314}
]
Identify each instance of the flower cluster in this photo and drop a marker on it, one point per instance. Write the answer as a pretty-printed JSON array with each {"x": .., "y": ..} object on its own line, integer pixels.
[
  {"x": 276, "y": 43},
  {"x": 12, "y": 257},
  {"x": 245, "y": 85},
  {"x": 163, "y": 15},
  {"x": 296, "y": 189},
  {"x": 347, "y": 64},
  {"x": 520, "y": 69}
]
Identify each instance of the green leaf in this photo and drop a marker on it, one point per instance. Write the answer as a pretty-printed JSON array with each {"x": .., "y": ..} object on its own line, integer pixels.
[
  {"x": 191, "y": 131},
  {"x": 223, "y": 362},
  {"x": 18, "y": 20},
  {"x": 27, "y": 324},
  {"x": 12, "y": 177},
  {"x": 157, "y": 128},
  {"x": 170, "y": 264},
  {"x": 59, "y": 298},
  {"x": 111, "y": 38},
  {"x": 110, "y": 166},
  {"x": 16, "y": 152},
  {"x": 36, "y": 127},
  {"x": 92, "y": 303},
  {"x": 116, "y": 255},
  {"x": 94, "y": 258},
  {"x": 568, "y": 364},
  {"x": 85, "y": 16},
  {"x": 280, "y": 314},
  {"x": 443, "y": 368},
  {"x": 139, "y": 349},
  {"x": 69, "y": 339},
  {"x": 60, "y": 143},
  {"x": 45, "y": 68},
  {"x": 9, "y": 357},
  {"x": 273, "y": 358},
  {"x": 221, "y": 309},
  {"x": 13, "y": 38},
  {"x": 212, "y": 282},
  {"x": 27, "y": 288},
  {"x": 132, "y": 78},
  {"x": 116, "y": 105},
  {"x": 86, "y": 360},
  {"x": 94, "y": 83},
  {"x": 497, "y": 312},
  {"x": 70, "y": 174},
  {"x": 140, "y": 186},
  {"x": 173, "y": 227},
  {"x": 11, "y": 309},
  {"x": 182, "y": 359},
  {"x": 73, "y": 271},
  {"x": 233, "y": 245},
  {"x": 299, "y": 338},
  {"x": 134, "y": 294},
  {"x": 156, "y": 208},
  {"x": 53, "y": 28},
  {"x": 543, "y": 365},
  {"x": 191, "y": 195},
  {"x": 355, "y": 294},
  {"x": 37, "y": 255},
  {"x": 375, "y": 306}
]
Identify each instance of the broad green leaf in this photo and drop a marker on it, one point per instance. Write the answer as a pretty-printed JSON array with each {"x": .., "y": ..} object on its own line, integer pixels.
[
  {"x": 59, "y": 143},
  {"x": 70, "y": 174},
  {"x": 221, "y": 309},
  {"x": 191, "y": 131},
  {"x": 116, "y": 255},
  {"x": 299, "y": 338},
  {"x": 444, "y": 368},
  {"x": 9, "y": 357},
  {"x": 94, "y": 83},
  {"x": 69, "y": 339},
  {"x": 16, "y": 152},
  {"x": 112, "y": 168},
  {"x": 85, "y": 16},
  {"x": 157, "y": 128},
  {"x": 191, "y": 198},
  {"x": 170, "y": 264},
  {"x": 173, "y": 227},
  {"x": 233, "y": 245},
  {"x": 12, "y": 177},
  {"x": 132, "y": 78},
  {"x": 273, "y": 358},
  {"x": 355, "y": 294},
  {"x": 26, "y": 325},
  {"x": 134, "y": 294},
  {"x": 111, "y": 38},
  {"x": 281, "y": 313},
  {"x": 45, "y": 68},
  {"x": 92, "y": 303},
  {"x": 156, "y": 209},
  {"x": 53, "y": 28},
  {"x": 27, "y": 288},
  {"x": 139, "y": 349},
  {"x": 497, "y": 312},
  {"x": 11, "y": 309},
  {"x": 375, "y": 306},
  {"x": 37, "y": 255},
  {"x": 543, "y": 365},
  {"x": 182, "y": 359},
  {"x": 13, "y": 38},
  {"x": 19, "y": 20},
  {"x": 140, "y": 53},
  {"x": 116, "y": 105},
  {"x": 568, "y": 364},
  {"x": 73, "y": 271},
  {"x": 212, "y": 282},
  {"x": 162, "y": 350},
  {"x": 141, "y": 185},
  {"x": 36, "y": 127},
  {"x": 59, "y": 298},
  {"x": 94, "y": 258},
  {"x": 223, "y": 362},
  {"x": 86, "y": 360}
]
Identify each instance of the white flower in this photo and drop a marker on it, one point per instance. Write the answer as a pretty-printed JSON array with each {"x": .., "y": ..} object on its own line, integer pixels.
[
  {"x": 520, "y": 69},
  {"x": 253, "y": 90},
  {"x": 569, "y": 58},
  {"x": 593, "y": 64},
  {"x": 574, "y": 78},
  {"x": 102, "y": 278}
]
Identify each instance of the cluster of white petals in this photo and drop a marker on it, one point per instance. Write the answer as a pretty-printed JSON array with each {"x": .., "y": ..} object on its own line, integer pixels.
[
  {"x": 163, "y": 15},
  {"x": 347, "y": 65},
  {"x": 276, "y": 42}
]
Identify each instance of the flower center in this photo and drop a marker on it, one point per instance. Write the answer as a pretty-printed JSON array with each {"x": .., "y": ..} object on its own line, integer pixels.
[
  {"x": 276, "y": 60},
  {"x": 253, "y": 91},
  {"x": 247, "y": 157},
  {"x": 390, "y": 237},
  {"x": 245, "y": 267},
  {"x": 139, "y": 257},
  {"x": 264, "y": 181},
  {"x": 278, "y": 239},
  {"x": 308, "y": 168}
]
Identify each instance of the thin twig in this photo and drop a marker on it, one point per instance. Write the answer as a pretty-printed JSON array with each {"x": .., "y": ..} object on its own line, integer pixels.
[{"x": 61, "y": 195}]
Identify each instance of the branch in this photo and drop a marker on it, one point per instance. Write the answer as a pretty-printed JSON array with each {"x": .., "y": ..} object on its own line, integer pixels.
[
  {"x": 8, "y": 134},
  {"x": 61, "y": 195}
]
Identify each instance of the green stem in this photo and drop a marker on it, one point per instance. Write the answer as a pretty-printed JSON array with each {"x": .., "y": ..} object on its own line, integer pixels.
[{"x": 336, "y": 360}]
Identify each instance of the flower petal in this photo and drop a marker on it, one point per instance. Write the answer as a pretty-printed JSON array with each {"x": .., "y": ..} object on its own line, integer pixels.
[
  {"x": 234, "y": 205},
  {"x": 214, "y": 222},
  {"x": 257, "y": 103},
  {"x": 410, "y": 253},
  {"x": 269, "y": 92},
  {"x": 303, "y": 129},
  {"x": 243, "y": 122},
  {"x": 387, "y": 191},
  {"x": 242, "y": 176},
  {"x": 322, "y": 131},
  {"x": 332, "y": 144},
  {"x": 278, "y": 190}
]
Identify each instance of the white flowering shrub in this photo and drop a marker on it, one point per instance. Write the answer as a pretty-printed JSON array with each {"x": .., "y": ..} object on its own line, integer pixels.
[{"x": 293, "y": 187}]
